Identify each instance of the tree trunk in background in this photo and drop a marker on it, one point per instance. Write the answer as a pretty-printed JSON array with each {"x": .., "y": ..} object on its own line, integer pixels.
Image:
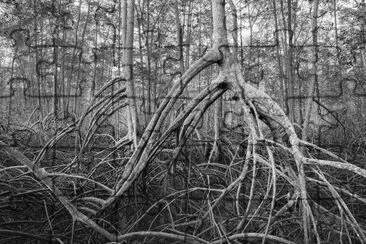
[
  {"x": 284, "y": 55},
  {"x": 314, "y": 80},
  {"x": 144, "y": 86},
  {"x": 363, "y": 48},
  {"x": 219, "y": 37},
  {"x": 37, "y": 58},
  {"x": 290, "y": 67},
  {"x": 73, "y": 59},
  {"x": 63, "y": 85},
  {"x": 182, "y": 59},
  {"x": 363, "y": 51},
  {"x": 124, "y": 24},
  {"x": 179, "y": 37},
  {"x": 283, "y": 101},
  {"x": 180, "y": 32},
  {"x": 133, "y": 122},
  {"x": 188, "y": 38},
  {"x": 148, "y": 57},
  {"x": 336, "y": 28},
  {"x": 55, "y": 74}
]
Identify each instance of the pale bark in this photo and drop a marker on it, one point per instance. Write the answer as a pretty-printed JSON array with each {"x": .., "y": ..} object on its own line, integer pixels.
[
  {"x": 279, "y": 58},
  {"x": 289, "y": 64},
  {"x": 188, "y": 38},
  {"x": 363, "y": 29},
  {"x": 220, "y": 40},
  {"x": 336, "y": 28},
  {"x": 314, "y": 80},
  {"x": 179, "y": 37},
  {"x": 149, "y": 80},
  {"x": 124, "y": 24},
  {"x": 128, "y": 21},
  {"x": 234, "y": 30}
]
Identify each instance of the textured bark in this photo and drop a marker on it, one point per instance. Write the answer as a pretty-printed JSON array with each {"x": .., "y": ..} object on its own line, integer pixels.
[
  {"x": 128, "y": 21},
  {"x": 220, "y": 39},
  {"x": 279, "y": 58},
  {"x": 309, "y": 102},
  {"x": 363, "y": 45},
  {"x": 289, "y": 64}
]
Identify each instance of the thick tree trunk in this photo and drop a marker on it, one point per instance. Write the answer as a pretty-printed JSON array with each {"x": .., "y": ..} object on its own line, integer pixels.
[
  {"x": 128, "y": 22},
  {"x": 219, "y": 38}
]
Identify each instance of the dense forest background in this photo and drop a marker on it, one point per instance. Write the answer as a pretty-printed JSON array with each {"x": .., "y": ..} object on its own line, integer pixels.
[{"x": 140, "y": 121}]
